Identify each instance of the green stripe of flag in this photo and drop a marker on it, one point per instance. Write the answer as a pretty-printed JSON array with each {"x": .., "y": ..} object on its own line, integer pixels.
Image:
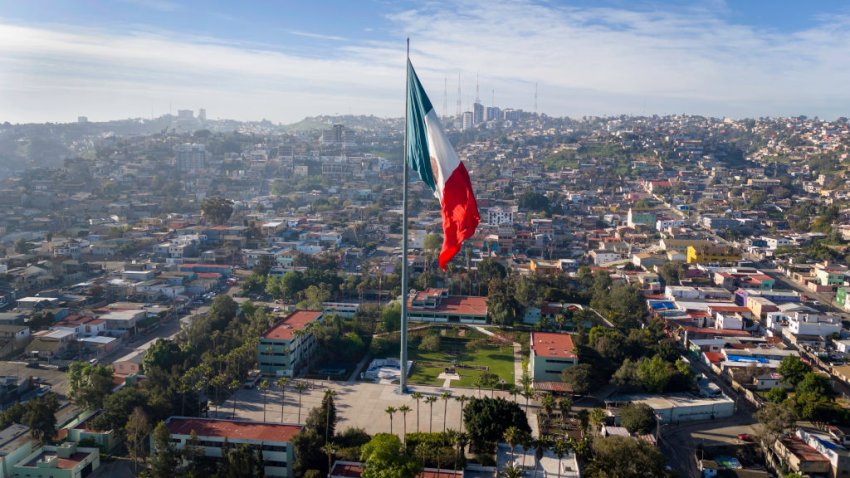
[{"x": 418, "y": 106}]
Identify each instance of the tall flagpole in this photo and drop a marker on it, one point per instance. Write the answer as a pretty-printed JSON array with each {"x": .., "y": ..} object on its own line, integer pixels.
[{"x": 402, "y": 382}]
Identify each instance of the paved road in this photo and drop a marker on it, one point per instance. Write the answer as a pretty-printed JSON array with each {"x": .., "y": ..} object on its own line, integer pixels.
[{"x": 678, "y": 442}]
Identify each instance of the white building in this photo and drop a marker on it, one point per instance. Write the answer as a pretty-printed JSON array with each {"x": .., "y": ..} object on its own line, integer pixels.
[
  {"x": 604, "y": 257},
  {"x": 497, "y": 216},
  {"x": 729, "y": 321},
  {"x": 814, "y": 324}
]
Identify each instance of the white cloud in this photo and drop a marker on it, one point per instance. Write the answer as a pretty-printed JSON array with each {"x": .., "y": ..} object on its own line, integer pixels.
[{"x": 586, "y": 61}]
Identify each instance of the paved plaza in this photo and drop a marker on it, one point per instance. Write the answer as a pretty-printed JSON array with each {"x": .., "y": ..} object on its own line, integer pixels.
[{"x": 360, "y": 405}]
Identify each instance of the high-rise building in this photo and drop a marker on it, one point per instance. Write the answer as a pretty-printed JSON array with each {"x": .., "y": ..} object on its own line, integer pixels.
[
  {"x": 477, "y": 113},
  {"x": 493, "y": 113},
  {"x": 335, "y": 135},
  {"x": 82, "y": 119},
  {"x": 190, "y": 157},
  {"x": 185, "y": 114},
  {"x": 467, "y": 120},
  {"x": 202, "y": 114}
]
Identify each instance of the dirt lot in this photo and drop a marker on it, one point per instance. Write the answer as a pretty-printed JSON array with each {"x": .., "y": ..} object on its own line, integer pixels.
[{"x": 56, "y": 379}]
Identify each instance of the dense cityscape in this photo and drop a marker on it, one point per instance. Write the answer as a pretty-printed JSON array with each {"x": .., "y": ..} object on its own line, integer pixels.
[{"x": 644, "y": 296}]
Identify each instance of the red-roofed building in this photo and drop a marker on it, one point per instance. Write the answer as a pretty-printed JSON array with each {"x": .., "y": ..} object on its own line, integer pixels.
[
  {"x": 551, "y": 353},
  {"x": 271, "y": 438},
  {"x": 288, "y": 346},
  {"x": 436, "y": 305}
]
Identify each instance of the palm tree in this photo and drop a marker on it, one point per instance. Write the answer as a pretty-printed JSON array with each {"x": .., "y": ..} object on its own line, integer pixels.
[
  {"x": 234, "y": 384},
  {"x": 389, "y": 411},
  {"x": 404, "y": 410},
  {"x": 300, "y": 387},
  {"x": 565, "y": 405},
  {"x": 462, "y": 399},
  {"x": 262, "y": 387},
  {"x": 281, "y": 382},
  {"x": 430, "y": 401},
  {"x": 512, "y": 437},
  {"x": 445, "y": 397},
  {"x": 528, "y": 394},
  {"x": 561, "y": 449},
  {"x": 597, "y": 417},
  {"x": 417, "y": 396},
  {"x": 548, "y": 402}
]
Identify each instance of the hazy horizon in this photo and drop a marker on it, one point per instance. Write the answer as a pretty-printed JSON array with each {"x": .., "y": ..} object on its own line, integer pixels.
[{"x": 286, "y": 61}]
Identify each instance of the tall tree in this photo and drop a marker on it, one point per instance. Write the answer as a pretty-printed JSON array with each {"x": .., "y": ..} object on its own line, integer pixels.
[
  {"x": 487, "y": 419},
  {"x": 40, "y": 416},
  {"x": 136, "y": 430},
  {"x": 445, "y": 397},
  {"x": 417, "y": 396},
  {"x": 404, "y": 410},
  {"x": 165, "y": 458},
  {"x": 384, "y": 457},
  {"x": 217, "y": 210},
  {"x": 390, "y": 411},
  {"x": 625, "y": 457},
  {"x": 430, "y": 400},
  {"x": 90, "y": 384}
]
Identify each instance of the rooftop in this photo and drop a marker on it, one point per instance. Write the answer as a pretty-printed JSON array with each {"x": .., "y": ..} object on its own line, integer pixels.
[
  {"x": 298, "y": 320},
  {"x": 801, "y": 450},
  {"x": 548, "y": 344},
  {"x": 232, "y": 429},
  {"x": 458, "y": 305}
]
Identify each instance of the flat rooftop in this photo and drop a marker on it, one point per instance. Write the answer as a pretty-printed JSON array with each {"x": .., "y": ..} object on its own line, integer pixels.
[
  {"x": 456, "y": 305},
  {"x": 61, "y": 463},
  {"x": 548, "y": 344},
  {"x": 232, "y": 429},
  {"x": 298, "y": 320},
  {"x": 664, "y": 402}
]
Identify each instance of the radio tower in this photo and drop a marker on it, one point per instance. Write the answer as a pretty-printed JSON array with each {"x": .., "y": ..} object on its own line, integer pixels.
[
  {"x": 459, "y": 107},
  {"x": 477, "y": 96},
  {"x": 445, "y": 97},
  {"x": 535, "y": 98}
]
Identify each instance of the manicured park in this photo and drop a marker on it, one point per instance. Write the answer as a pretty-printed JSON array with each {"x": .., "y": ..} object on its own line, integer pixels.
[{"x": 467, "y": 351}]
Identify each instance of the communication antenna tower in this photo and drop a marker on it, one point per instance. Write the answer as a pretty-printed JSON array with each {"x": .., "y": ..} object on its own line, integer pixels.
[
  {"x": 459, "y": 107},
  {"x": 535, "y": 98}
]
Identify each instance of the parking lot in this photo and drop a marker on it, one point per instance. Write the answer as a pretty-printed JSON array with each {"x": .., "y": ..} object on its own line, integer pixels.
[
  {"x": 359, "y": 405},
  {"x": 57, "y": 380}
]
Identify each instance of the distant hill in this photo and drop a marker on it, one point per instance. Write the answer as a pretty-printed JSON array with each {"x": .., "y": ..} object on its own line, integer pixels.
[{"x": 356, "y": 122}]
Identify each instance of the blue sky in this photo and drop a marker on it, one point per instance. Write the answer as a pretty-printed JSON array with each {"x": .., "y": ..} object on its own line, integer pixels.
[{"x": 283, "y": 60}]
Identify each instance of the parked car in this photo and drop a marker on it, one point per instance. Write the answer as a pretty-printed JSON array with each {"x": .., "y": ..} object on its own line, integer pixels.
[{"x": 745, "y": 437}]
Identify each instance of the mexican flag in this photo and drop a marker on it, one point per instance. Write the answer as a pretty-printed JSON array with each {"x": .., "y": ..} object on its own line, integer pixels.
[{"x": 431, "y": 155}]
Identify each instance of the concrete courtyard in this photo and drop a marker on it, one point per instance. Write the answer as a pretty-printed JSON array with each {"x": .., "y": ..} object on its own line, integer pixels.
[{"x": 360, "y": 405}]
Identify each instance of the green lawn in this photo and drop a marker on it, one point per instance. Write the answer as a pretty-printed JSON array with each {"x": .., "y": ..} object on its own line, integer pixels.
[{"x": 499, "y": 359}]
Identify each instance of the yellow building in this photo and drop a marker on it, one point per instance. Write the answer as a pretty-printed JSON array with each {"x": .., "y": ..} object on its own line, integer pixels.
[{"x": 712, "y": 254}]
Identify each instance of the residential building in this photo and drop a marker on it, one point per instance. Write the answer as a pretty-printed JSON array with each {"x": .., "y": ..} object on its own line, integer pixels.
[
  {"x": 800, "y": 457},
  {"x": 713, "y": 254},
  {"x": 551, "y": 353},
  {"x": 272, "y": 439},
  {"x": 827, "y": 445},
  {"x": 288, "y": 346}
]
